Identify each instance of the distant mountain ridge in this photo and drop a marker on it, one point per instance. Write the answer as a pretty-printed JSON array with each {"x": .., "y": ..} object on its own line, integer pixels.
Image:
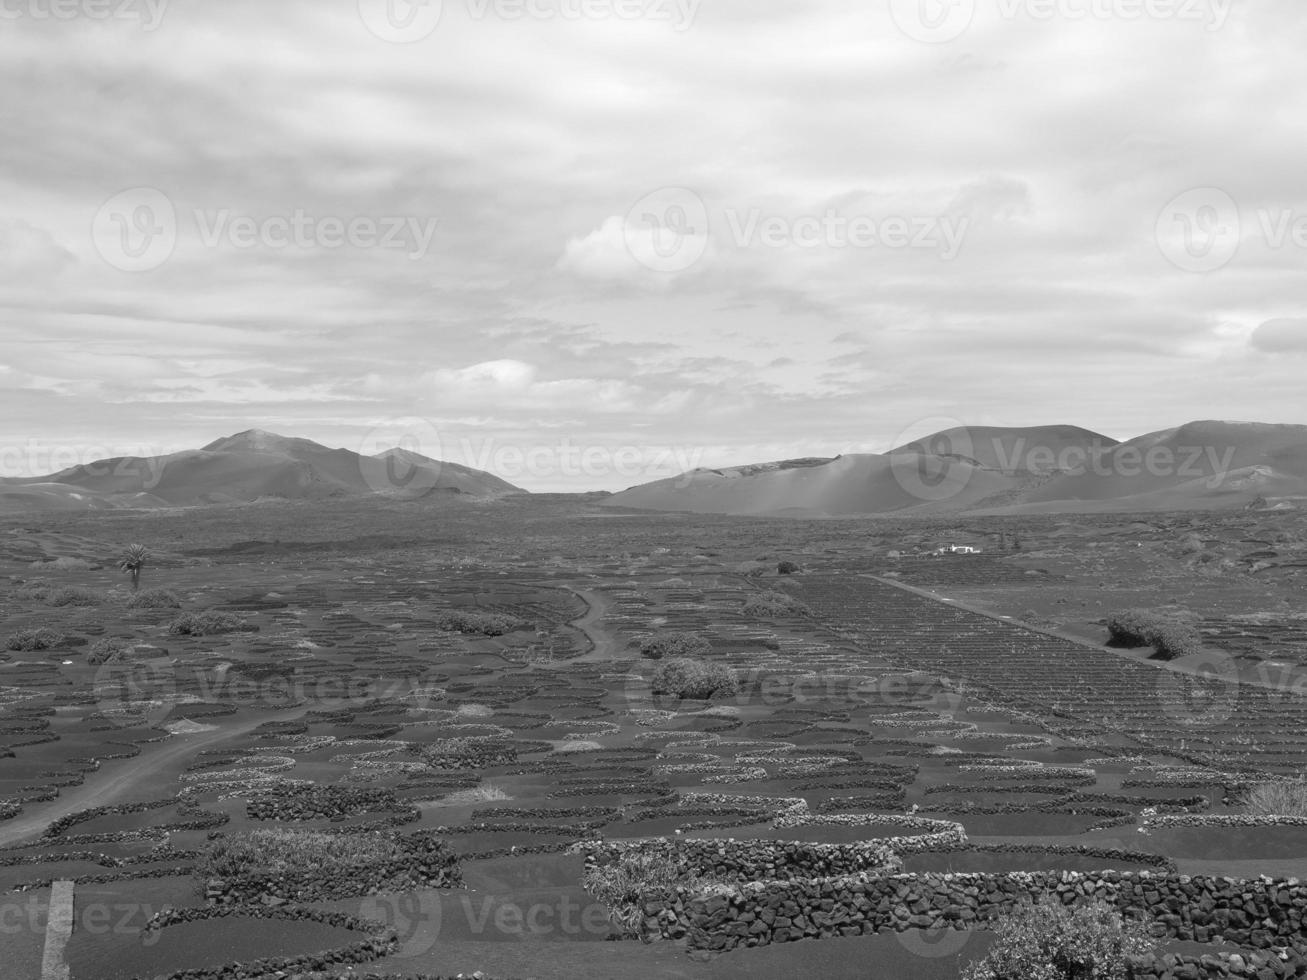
[
  {"x": 248, "y": 466},
  {"x": 994, "y": 470}
]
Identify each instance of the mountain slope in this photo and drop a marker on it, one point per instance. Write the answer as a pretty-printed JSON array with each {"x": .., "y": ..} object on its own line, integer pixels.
[
  {"x": 1018, "y": 470},
  {"x": 247, "y": 466}
]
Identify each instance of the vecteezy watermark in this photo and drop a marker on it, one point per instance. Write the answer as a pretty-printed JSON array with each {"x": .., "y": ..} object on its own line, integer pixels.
[
  {"x": 1203, "y": 690},
  {"x": 409, "y": 21},
  {"x": 139, "y": 692},
  {"x": 940, "y": 466},
  {"x": 769, "y": 688},
  {"x": 31, "y": 916},
  {"x": 139, "y": 229},
  {"x": 941, "y": 21},
  {"x": 402, "y": 458},
  {"x": 934, "y": 942},
  {"x": 421, "y": 918},
  {"x": 1203, "y": 229},
  {"x": 34, "y": 458},
  {"x": 671, "y": 229},
  {"x": 147, "y": 13},
  {"x": 570, "y": 459}
]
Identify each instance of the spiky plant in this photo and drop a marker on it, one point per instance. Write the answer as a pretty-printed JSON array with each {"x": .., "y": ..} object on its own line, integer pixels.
[{"x": 132, "y": 561}]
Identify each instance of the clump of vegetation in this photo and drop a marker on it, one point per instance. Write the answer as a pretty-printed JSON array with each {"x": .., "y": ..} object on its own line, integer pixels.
[
  {"x": 481, "y": 624},
  {"x": 66, "y": 564},
  {"x": 1280, "y": 798},
  {"x": 621, "y": 884},
  {"x": 110, "y": 650},
  {"x": 207, "y": 623},
  {"x": 71, "y": 596},
  {"x": 787, "y": 568},
  {"x": 673, "y": 643},
  {"x": 486, "y": 793},
  {"x": 154, "y": 599},
  {"x": 773, "y": 604},
  {"x": 695, "y": 679},
  {"x": 132, "y": 561},
  {"x": 279, "y": 852},
  {"x": 1168, "y": 637},
  {"x": 28, "y": 641},
  {"x": 1051, "y": 941},
  {"x": 65, "y": 595}
]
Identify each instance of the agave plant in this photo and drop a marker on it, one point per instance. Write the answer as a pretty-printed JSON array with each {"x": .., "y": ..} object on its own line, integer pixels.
[{"x": 132, "y": 561}]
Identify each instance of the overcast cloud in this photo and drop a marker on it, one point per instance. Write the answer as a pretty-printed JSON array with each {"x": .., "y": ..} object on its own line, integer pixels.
[{"x": 699, "y": 233}]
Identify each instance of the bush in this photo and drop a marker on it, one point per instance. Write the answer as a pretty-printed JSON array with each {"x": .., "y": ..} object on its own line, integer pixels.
[
  {"x": 207, "y": 623},
  {"x": 71, "y": 596},
  {"x": 154, "y": 599},
  {"x": 786, "y": 568},
  {"x": 1282, "y": 798},
  {"x": 673, "y": 643},
  {"x": 281, "y": 852},
  {"x": 1051, "y": 941},
  {"x": 482, "y": 624},
  {"x": 68, "y": 565},
  {"x": 621, "y": 885},
  {"x": 1169, "y": 638},
  {"x": 770, "y": 605},
  {"x": 37, "y": 639},
  {"x": 695, "y": 680},
  {"x": 110, "y": 650}
]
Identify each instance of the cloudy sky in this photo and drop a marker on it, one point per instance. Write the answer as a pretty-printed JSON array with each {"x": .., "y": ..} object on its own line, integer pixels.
[{"x": 623, "y": 237}]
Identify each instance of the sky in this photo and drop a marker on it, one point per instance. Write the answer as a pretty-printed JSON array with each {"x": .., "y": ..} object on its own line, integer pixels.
[{"x": 585, "y": 244}]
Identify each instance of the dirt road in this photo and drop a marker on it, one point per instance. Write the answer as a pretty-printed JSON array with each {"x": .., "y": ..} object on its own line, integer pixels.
[{"x": 119, "y": 781}]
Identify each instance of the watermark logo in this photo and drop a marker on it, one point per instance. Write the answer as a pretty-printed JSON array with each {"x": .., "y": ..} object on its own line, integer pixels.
[
  {"x": 667, "y": 230},
  {"x": 942, "y": 21},
  {"x": 35, "y": 458},
  {"x": 1203, "y": 230},
  {"x": 420, "y": 919},
  {"x": 139, "y": 230},
  {"x": 671, "y": 229},
  {"x": 1200, "y": 230},
  {"x": 933, "y": 21},
  {"x": 147, "y": 13},
  {"x": 136, "y": 693},
  {"x": 408, "y": 21},
  {"x": 32, "y": 917},
  {"x": 1203, "y": 692},
  {"x": 402, "y": 458},
  {"x": 935, "y": 467},
  {"x": 940, "y": 466},
  {"x": 934, "y": 942},
  {"x": 136, "y": 230},
  {"x": 401, "y": 21}
]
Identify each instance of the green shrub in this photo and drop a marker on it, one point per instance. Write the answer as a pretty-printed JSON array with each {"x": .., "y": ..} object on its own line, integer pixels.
[
  {"x": 694, "y": 679},
  {"x": 233, "y": 856},
  {"x": 481, "y": 624},
  {"x": 1052, "y": 941},
  {"x": 786, "y": 568},
  {"x": 673, "y": 643},
  {"x": 1168, "y": 637},
  {"x": 771, "y": 605},
  {"x": 1280, "y": 798},
  {"x": 37, "y": 639},
  {"x": 622, "y": 884},
  {"x": 154, "y": 599},
  {"x": 71, "y": 596},
  {"x": 207, "y": 623},
  {"x": 110, "y": 650}
]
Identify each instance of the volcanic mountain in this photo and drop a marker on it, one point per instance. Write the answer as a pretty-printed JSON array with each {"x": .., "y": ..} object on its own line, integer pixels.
[
  {"x": 248, "y": 466},
  {"x": 1047, "y": 469}
]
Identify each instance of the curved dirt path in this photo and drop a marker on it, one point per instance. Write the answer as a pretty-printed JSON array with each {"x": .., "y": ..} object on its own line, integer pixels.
[
  {"x": 605, "y": 645},
  {"x": 116, "y": 779}
]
